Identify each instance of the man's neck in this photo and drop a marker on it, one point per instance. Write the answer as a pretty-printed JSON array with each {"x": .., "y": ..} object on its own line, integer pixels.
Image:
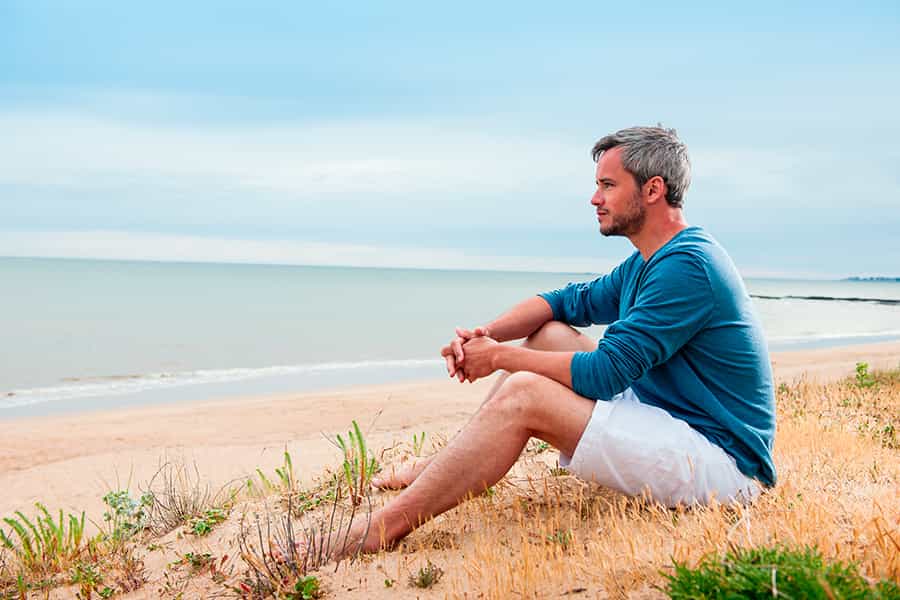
[{"x": 654, "y": 236}]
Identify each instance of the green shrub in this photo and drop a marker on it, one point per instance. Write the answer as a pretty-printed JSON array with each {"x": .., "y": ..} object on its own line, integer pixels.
[
  {"x": 204, "y": 524},
  {"x": 306, "y": 588},
  {"x": 426, "y": 576},
  {"x": 772, "y": 573},
  {"x": 126, "y": 516},
  {"x": 562, "y": 537},
  {"x": 418, "y": 444},
  {"x": 864, "y": 379},
  {"x": 88, "y": 578},
  {"x": 284, "y": 480},
  {"x": 44, "y": 545},
  {"x": 358, "y": 466}
]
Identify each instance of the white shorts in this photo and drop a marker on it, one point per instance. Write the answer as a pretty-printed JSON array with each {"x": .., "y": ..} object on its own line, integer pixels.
[{"x": 636, "y": 448}]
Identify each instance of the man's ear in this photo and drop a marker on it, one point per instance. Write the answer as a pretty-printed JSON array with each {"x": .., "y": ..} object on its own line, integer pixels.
[{"x": 655, "y": 189}]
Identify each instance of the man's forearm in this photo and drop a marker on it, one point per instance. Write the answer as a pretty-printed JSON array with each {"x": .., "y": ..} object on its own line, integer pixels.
[
  {"x": 555, "y": 365},
  {"x": 521, "y": 320}
]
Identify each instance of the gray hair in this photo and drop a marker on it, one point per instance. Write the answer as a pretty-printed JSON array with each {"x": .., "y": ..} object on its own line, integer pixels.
[{"x": 651, "y": 151}]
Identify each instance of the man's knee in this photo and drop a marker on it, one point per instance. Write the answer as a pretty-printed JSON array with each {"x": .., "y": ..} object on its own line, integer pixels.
[
  {"x": 516, "y": 395},
  {"x": 556, "y": 335}
]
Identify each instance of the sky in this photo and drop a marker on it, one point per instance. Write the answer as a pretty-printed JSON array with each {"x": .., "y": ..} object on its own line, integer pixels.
[{"x": 448, "y": 136}]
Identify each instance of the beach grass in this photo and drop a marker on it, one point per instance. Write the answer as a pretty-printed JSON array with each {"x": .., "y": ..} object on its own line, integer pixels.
[{"x": 834, "y": 518}]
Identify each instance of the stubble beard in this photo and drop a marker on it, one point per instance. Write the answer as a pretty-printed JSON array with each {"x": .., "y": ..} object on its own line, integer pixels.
[{"x": 628, "y": 223}]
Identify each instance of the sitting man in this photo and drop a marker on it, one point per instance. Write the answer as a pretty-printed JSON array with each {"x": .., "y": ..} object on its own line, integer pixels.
[{"x": 675, "y": 402}]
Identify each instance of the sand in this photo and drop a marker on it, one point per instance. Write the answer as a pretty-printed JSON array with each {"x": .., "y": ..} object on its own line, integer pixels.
[{"x": 70, "y": 462}]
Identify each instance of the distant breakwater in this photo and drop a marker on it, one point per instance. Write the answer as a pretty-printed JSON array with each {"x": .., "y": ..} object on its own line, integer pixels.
[{"x": 886, "y": 301}]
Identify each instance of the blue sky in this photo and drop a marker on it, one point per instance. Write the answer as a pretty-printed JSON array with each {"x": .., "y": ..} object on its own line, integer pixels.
[{"x": 453, "y": 136}]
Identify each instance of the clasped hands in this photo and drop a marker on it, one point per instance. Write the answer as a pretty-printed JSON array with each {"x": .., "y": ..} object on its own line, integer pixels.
[{"x": 470, "y": 355}]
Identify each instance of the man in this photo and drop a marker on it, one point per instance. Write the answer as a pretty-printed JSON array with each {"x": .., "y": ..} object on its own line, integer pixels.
[{"x": 675, "y": 401}]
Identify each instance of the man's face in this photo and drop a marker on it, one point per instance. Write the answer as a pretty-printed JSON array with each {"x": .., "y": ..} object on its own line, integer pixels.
[{"x": 620, "y": 210}]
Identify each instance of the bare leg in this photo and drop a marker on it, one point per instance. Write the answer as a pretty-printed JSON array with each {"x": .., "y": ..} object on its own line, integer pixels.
[
  {"x": 553, "y": 336},
  {"x": 526, "y": 405}
]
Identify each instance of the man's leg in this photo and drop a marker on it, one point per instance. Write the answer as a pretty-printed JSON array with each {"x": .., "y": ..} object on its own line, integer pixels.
[
  {"x": 553, "y": 336},
  {"x": 524, "y": 405}
]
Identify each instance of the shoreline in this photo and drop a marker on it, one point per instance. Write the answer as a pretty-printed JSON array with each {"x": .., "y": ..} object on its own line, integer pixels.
[
  {"x": 198, "y": 386},
  {"x": 71, "y": 461}
]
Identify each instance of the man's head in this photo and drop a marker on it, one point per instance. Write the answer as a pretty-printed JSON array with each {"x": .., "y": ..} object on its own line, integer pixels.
[{"x": 638, "y": 169}]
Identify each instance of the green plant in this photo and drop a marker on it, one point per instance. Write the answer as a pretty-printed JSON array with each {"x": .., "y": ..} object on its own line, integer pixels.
[
  {"x": 418, "y": 443},
  {"x": 126, "y": 516},
  {"x": 358, "y": 467},
  {"x": 88, "y": 578},
  {"x": 558, "y": 471},
  {"x": 204, "y": 524},
  {"x": 44, "y": 545},
  {"x": 888, "y": 436},
  {"x": 306, "y": 500},
  {"x": 864, "y": 379},
  {"x": 772, "y": 573},
  {"x": 562, "y": 537},
  {"x": 426, "y": 576},
  {"x": 306, "y": 588},
  {"x": 388, "y": 582},
  {"x": 284, "y": 481},
  {"x": 196, "y": 561}
]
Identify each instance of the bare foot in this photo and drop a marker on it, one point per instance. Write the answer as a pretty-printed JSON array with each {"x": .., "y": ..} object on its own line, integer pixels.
[
  {"x": 361, "y": 537},
  {"x": 397, "y": 477}
]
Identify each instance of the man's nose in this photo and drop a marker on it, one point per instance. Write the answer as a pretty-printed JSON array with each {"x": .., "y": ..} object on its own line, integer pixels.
[{"x": 597, "y": 198}]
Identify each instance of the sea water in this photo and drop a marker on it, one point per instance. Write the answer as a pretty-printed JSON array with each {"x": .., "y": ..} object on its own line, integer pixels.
[{"x": 83, "y": 334}]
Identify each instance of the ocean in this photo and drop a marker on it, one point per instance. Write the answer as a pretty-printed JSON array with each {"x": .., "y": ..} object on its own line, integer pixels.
[{"x": 90, "y": 334}]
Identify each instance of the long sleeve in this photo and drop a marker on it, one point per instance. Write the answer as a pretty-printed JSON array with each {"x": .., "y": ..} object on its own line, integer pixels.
[
  {"x": 672, "y": 305},
  {"x": 591, "y": 303}
]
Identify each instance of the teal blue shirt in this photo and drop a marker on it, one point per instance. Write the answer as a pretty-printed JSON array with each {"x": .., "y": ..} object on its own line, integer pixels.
[{"x": 684, "y": 336}]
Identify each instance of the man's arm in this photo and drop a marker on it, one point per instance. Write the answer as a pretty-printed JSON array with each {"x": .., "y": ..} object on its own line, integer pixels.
[
  {"x": 555, "y": 365},
  {"x": 521, "y": 320},
  {"x": 675, "y": 303},
  {"x": 485, "y": 355},
  {"x": 577, "y": 304}
]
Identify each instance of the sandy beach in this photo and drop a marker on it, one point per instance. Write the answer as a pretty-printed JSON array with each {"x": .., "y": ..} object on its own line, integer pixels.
[
  {"x": 837, "y": 489},
  {"x": 71, "y": 461}
]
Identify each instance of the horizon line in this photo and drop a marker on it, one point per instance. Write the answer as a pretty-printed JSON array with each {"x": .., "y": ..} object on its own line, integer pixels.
[{"x": 251, "y": 263}]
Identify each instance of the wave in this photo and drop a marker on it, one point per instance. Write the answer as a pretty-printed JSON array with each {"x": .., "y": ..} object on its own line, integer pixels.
[
  {"x": 887, "y": 301},
  {"x": 114, "y": 385},
  {"x": 817, "y": 337},
  {"x": 132, "y": 384}
]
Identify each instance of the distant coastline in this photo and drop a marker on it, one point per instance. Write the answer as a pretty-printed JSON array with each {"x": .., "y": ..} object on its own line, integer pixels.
[{"x": 877, "y": 279}]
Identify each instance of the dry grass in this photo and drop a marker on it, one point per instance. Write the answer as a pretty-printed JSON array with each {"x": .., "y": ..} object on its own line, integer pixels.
[
  {"x": 180, "y": 496},
  {"x": 838, "y": 490},
  {"x": 540, "y": 535},
  {"x": 281, "y": 550}
]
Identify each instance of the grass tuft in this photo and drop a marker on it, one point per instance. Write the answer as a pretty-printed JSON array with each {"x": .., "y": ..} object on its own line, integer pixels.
[
  {"x": 280, "y": 559},
  {"x": 358, "y": 465},
  {"x": 426, "y": 576},
  {"x": 772, "y": 573},
  {"x": 180, "y": 497},
  {"x": 43, "y": 545},
  {"x": 284, "y": 481}
]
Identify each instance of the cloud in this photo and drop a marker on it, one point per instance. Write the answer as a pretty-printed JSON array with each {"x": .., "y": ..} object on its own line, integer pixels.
[
  {"x": 186, "y": 248},
  {"x": 804, "y": 176},
  {"x": 397, "y": 158}
]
